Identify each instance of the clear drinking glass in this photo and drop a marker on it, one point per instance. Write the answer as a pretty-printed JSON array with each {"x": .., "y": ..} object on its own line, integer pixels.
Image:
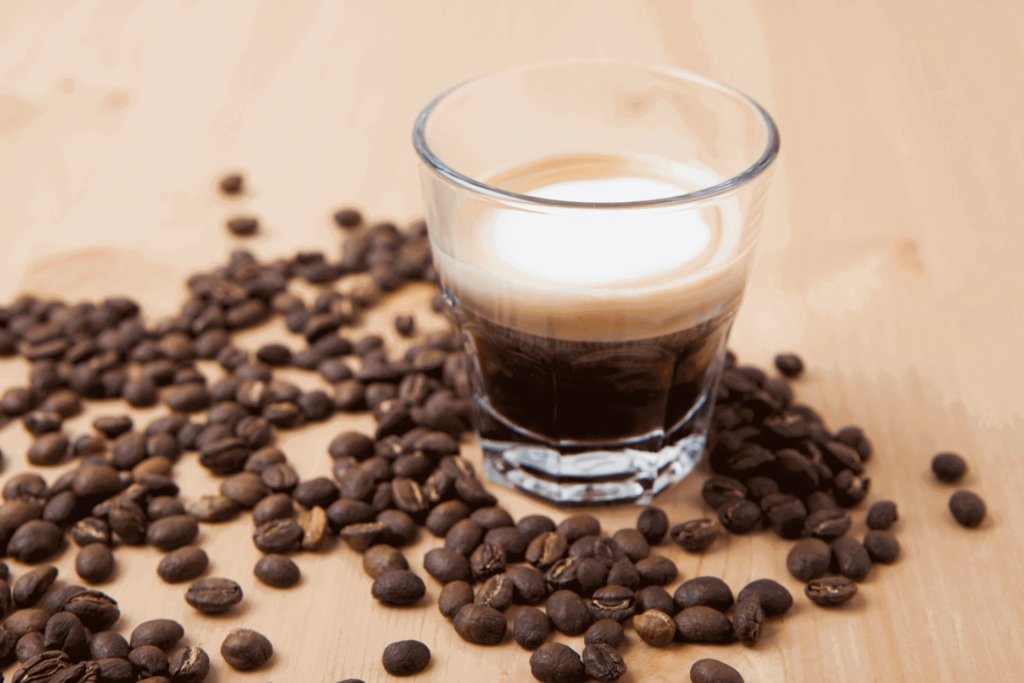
[{"x": 592, "y": 224}]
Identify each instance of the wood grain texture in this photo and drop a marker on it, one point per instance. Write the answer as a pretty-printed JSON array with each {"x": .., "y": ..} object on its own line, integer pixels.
[{"x": 889, "y": 259}]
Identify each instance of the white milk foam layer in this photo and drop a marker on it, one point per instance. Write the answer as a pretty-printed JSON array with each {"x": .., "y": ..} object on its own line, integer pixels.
[{"x": 598, "y": 274}]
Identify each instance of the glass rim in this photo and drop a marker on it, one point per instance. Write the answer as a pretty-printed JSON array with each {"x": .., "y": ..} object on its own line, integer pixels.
[{"x": 768, "y": 156}]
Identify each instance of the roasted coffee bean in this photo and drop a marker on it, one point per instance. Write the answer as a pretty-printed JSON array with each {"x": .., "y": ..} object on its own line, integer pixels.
[
  {"x": 492, "y": 517},
  {"x": 881, "y": 547},
  {"x": 827, "y": 524},
  {"x": 531, "y": 628},
  {"x": 32, "y": 585},
  {"x": 603, "y": 663},
  {"x": 447, "y": 565},
  {"x": 24, "y": 621},
  {"x": 348, "y": 218},
  {"x": 60, "y": 508},
  {"x": 495, "y": 592},
  {"x": 713, "y": 671},
  {"x": 612, "y": 602},
  {"x": 453, "y": 597},
  {"x": 772, "y": 596},
  {"x": 232, "y": 183},
  {"x": 171, "y": 533},
  {"x": 160, "y": 633},
  {"x": 108, "y": 645},
  {"x": 28, "y": 646},
  {"x": 653, "y": 524},
  {"x": 607, "y": 631},
  {"x": 473, "y": 493},
  {"x": 882, "y": 515},
  {"x": 54, "y": 601},
  {"x": 27, "y": 487},
  {"x": 34, "y": 541},
  {"x": 557, "y": 663},
  {"x": 850, "y": 489},
  {"x": 487, "y": 560},
  {"x": 809, "y": 559},
  {"x": 533, "y": 526},
  {"x": 591, "y": 574},
  {"x": 968, "y": 508},
  {"x": 189, "y": 665},
  {"x": 113, "y": 426},
  {"x": 655, "y": 598},
  {"x": 568, "y": 612},
  {"x": 547, "y": 549},
  {"x": 696, "y": 535},
  {"x": 578, "y": 526},
  {"x": 405, "y": 657},
  {"x": 563, "y": 575},
  {"x": 97, "y": 611},
  {"x": 213, "y": 509},
  {"x": 656, "y": 571},
  {"x": 509, "y": 538},
  {"x": 789, "y": 364},
  {"x": 624, "y": 573},
  {"x": 245, "y": 488},
  {"x": 48, "y": 449},
  {"x": 43, "y": 667},
  {"x": 444, "y": 516},
  {"x": 97, "y": 482},
  {"x": 128, "y": 520},
  {"x": 747, "y": 621},
  {"x": 264, "y": 458},
  {"x": 16, "y": 400},
  {"x": 703, "y": 625},
  {"x": 283, "y": 414},
  {"x": 654, "y": 627},
  {"x": 739, "y": 516},
  {"x": 480, "y": 624},
  {"x": 384, "y": 558},
  {"x": 149, "y": 661},
  {"x": 361, "y": 536},
  {"x": 401, "y": 528},
  {"x": 94, "y": 563},
  {"x": 359, "y": 484},
  {"x": 277, "y": 571},
  {"x": 718, "y": 490},
  {"x": 349, "y": 395},
  {"x": 242, "y": 226},
  {"x": 188, "y": 398},
  {"x": 245, "y": 649},
  {"x": 351, "y": 445},
  {"x": 830, "y": 591},
  {"x": 140, "y": 392},
  {"x": 39, "y": 422},
  {"x": 398, "y": 587},
  {"x": 949, "y": 467},
  {"x": 633, "y": 543},
  {"x": 314, "y": 528},
  {"x": 529, "y": 585},
  {"x": 214, "y": 595},
  {"x": 850, "y": 559},
  {"x": 278, "y": 536},
  {"x": 785, "y": 513},
  {"x": 340, "y": 514},
  {"x": 709, "y": 591},
  {"x": 184, "y": 564}
]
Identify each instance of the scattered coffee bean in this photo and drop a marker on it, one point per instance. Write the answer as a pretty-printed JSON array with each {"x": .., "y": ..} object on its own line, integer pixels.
[
  {"x": 280, "y": 536},
  {"x": 446, "y": 565},
  {"x": 232, "y": 184},
  {"x": 35, "y": 541},
  {"x": 214, "y": 595},
  {"x": 850, "y": 559},
  {"x": 531, "y": 628},
  {"x": 709, "y": 591},
  {"x": 881, "y": 547},
  {"x": 747, "y": 621},
  {"x": 809, "y": 559},
  {"x": 612, "y": 602},
  {"x": 94, "y": 563},
  {"x": 383, "y": 558},
  {"x": 789, "y": 364},
  {"x": 882, "y": 515},
  {"x": 149, "y": 661},
  {"x": 405, "y": 658},
  {"x": 405, "y": 325},
  {"x": 398, "y": 587},
  {"x": 171, "y": 533},
  {"x": 603, "y": 663},
  {"x": 32, "y": 585},
  {"x": 348, "y": 218},
  {"x": 578, "y": 526},
  {"x": 243, "y": 226},
  {"x": 557, "y": 663},
  {"x": 28, "y": 646},
  {"x": 496, "y": 592},
  {"x": 968, "y": 508},
  {"x": 772, "y": 596},
  {"x": 568, "y": 612},
  {"x": 245, "y": 649},
  {"x": 184, "y": 564},
  {"x": 453, "y": 597},
  {"x": 656, "y": 571},
  {"x": 739, "y": 516},
  {"x": 107, "y": 645},
  {"x": 487, "y": 560},
  {"x": 480, "y": 624},
  {"x": 827, "y": 524},
  {"x": 633, "y": 543},
  {"x": 703, "y": 625},
  {"x": 656, "y": 598},
  {"x": 713, "y": 671},
  {"x": 655, "y": 628},
  {"x": 830, "y": 591},
  {"x": 96, "y": 610},
  {"x": 161, "y": 633},
  {"x": 696, "y": 535},
  {"x": 653, "y": 524},
  {"x": 189, "y": 665},
  {"x": 606, "y": 631},
  {"x": 277, "y": 571},
  {"x": 718, "y": 490},
  {"x": 949, "y": 467}
]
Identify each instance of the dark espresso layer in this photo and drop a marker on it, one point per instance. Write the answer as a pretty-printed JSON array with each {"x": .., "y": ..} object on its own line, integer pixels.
[{"x": 592, "y": 392}]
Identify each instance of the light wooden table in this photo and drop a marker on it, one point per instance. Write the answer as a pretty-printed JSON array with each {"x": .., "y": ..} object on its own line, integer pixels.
[{"x": 890, "y": 259}]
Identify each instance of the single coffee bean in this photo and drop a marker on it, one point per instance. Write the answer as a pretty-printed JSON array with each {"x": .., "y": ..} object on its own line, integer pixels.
[
  {"x": 29, "y": 645},
  {"x": 444, "y": 516},
  {"x": 696, "y": 535},
  {"x": 94, "y": 563},
  {"x": 496, "y": 592},
  {"x": 849, "y": 488},
  {"x": 603, "y": 663},
  {"x": 789, "y": 364},
  {"x": 384, "y": 558},
  {"x": 277, "y": 571},
  {"x": 32, "y": 585},
  {"x": 243, "y": 226},
  {"x": 882, "y": 515},
  {"x": 531, "y": 628},
  {"x": 653, "y": 524},
  {"x": 361, "y": 536},
  {"x": 606, "y": 631},
  {"x": 968, "y": 508},
  {"x": 161, "y": 633},
  {"x": 713, "y": 671},
  {"x": 772, "y": 596},
  {"x": 739, "y": 516},
  {"x": 405, "y": 658},
  {"x": 245, "y": 649},
  {"x": 809, "y": 559},
  {"x": 140, "y": 392},
  {"x": 576, "y": 527},
  {"x": 785, "y": 513},
  {"x": 487, "y": 560},
  {"x": 34, "y": 541},
  {"x": 64, "y": 632},
  {"x": 568, "y": 612},
  {"x": 45, "y": 666},
  {"x": 547, "y": 549},
  {"x": 401, "y": 528},
  {"x": 278, "y": 536},
  {"x": 314, "y": 528},
  {"x": 557, "y": 663},
  {"x": 113, "y": 426},
  {"x": 949, "y": 467},
  {"x": 827, "y": 524},
  {"x": 188, "y": 398},
  {"x": 492, "y": 517},
  {"x": 533, "y": 526},
  {"x": 48, "y": 449},
  {"x": 850, "y": 559},
  {"x": 703, "y": 625},
  {"x": 709, "y": 591},
  {"x": 655, "y": 598},
  {"x": 881, "y": 547},
  {"x": 348, "y": 218},
  {"x": 718, "y": 490},
  {"x": 398, "y": 587},
  {"x": 184, "y": 564},
  {"x": 39, "y": 422},
  {"x": 747, "y": 621},
  {"x": 54, "y": 601},
  {"x": 351, "y": 445},
  {"x": 528, "y": 585},
  {"x": 214, "y": 595},
  {"x": 655, "y": 628},
  {"x": 29, "y": 620},
  {"x": 189, "y": 665},
  {"x": 245, "y": 488},
  {"x": 171, "y": 533},
  {"x": 656, "y": 571},
  {"x": 480, "y": 624},
  {"x": 612, "y": 602},
  {"x": 149, "y": 661},
  {"x": 830, "y": 591},
  {"x": 633, "y": 543},
  {"x": 453, "y": 597},
  {"x": 97, "y": 611},
  {"x": 108, "y": 645},
  {"x": 447, "y": 565},
  {"x": 278, "y": 506}
]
